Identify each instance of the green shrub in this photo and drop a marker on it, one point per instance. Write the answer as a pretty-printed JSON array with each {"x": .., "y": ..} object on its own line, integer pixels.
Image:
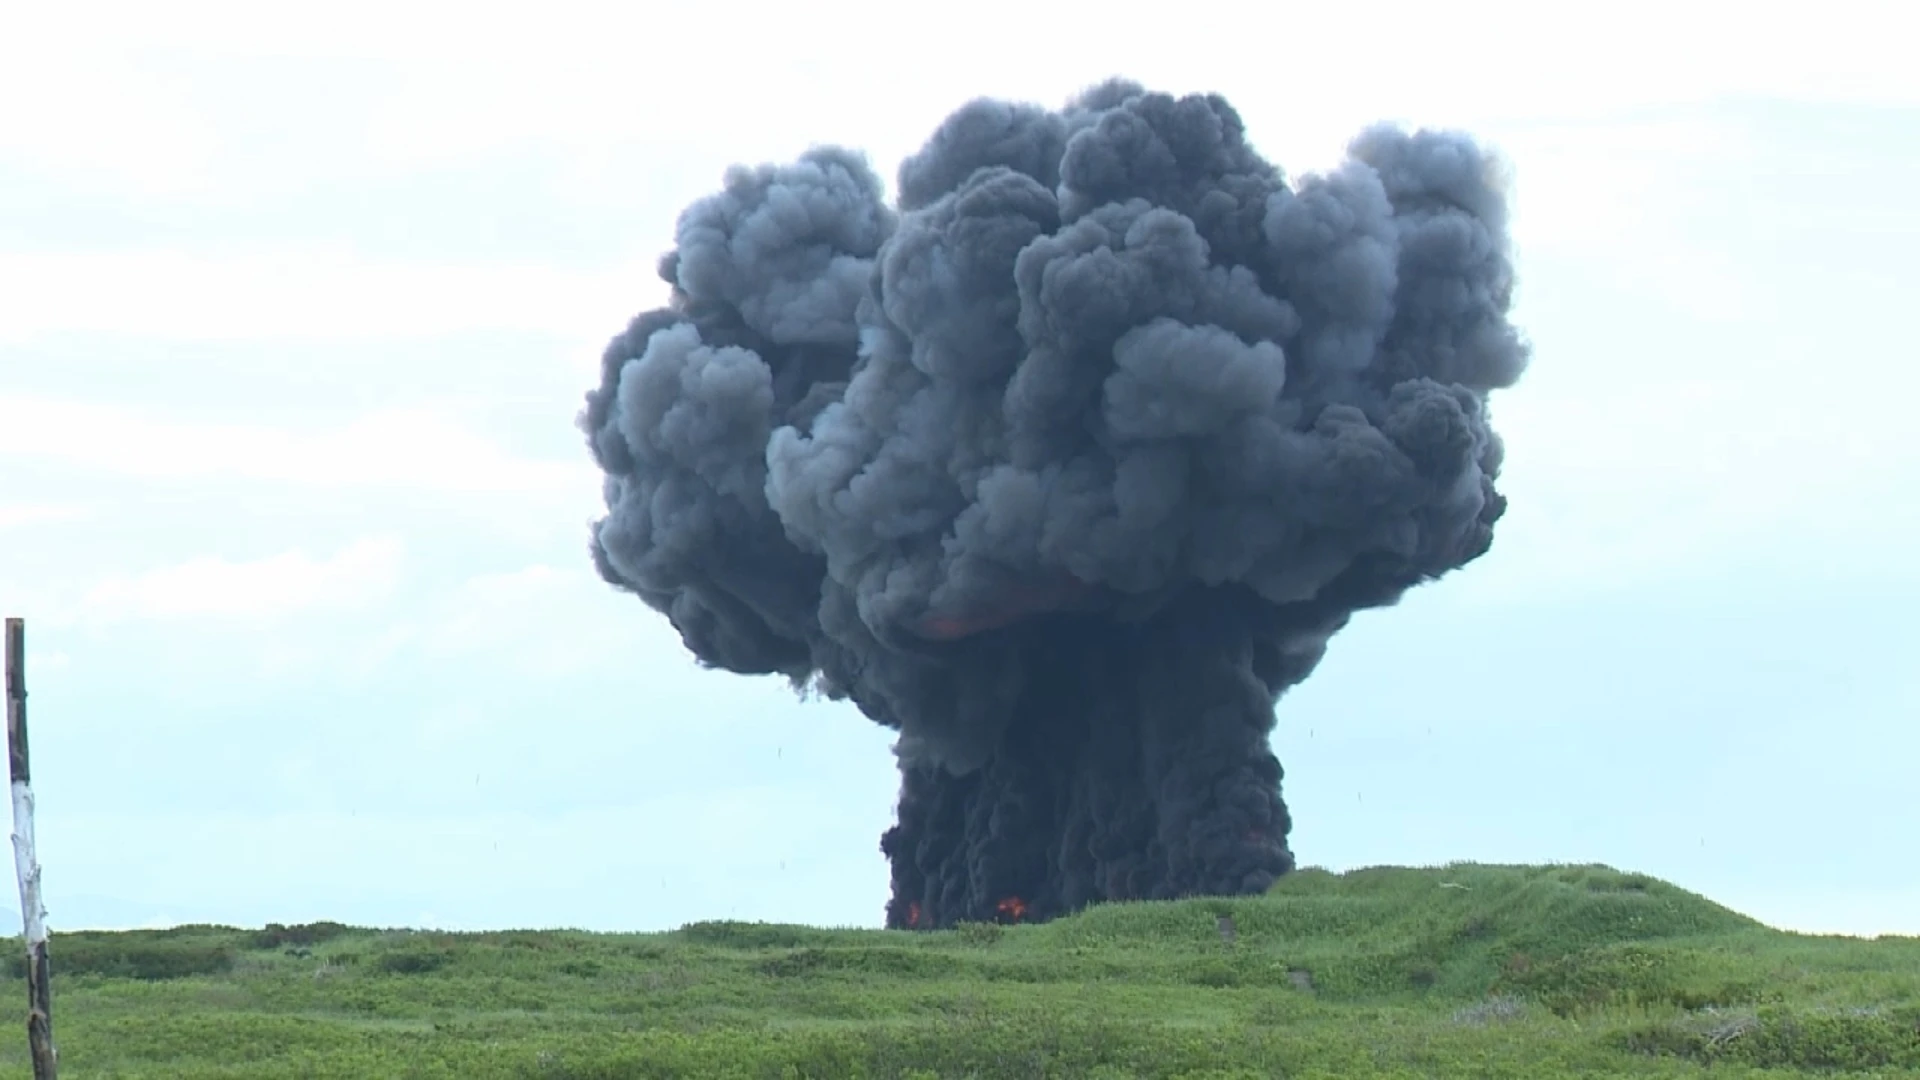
[
  {"x": 276, "y": 936},
  {"x": 1778, "y": 1037},
  {"x": 744, "y": 935},
  {"x": 979, "y": 933},
  {"x": 413, "y": 960},
  {"x": 877, "y": 960},
  {"x": 1631, "y": 974},
  {"x": 143, "y": 956},
  {"x": 1832, "y": 1039}
]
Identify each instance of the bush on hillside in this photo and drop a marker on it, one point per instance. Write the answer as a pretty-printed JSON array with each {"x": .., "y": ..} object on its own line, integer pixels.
[
  {"x": 413, "y": 960},
  {"x": 277, "y": 936},
  {"x": 127, "y": 956},
  {"x": 1781, "y": 1038},
  {"x": 1629, "y": 974},
  {"x": 745, "y": 935}
]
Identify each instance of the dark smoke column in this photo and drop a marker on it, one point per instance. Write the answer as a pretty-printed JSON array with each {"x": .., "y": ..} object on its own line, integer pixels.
[{"x": 1065, "y": 468}]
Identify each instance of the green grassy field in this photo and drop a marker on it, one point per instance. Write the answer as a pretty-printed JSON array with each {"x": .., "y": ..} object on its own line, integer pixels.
[{"x": 1470, "y": 971}]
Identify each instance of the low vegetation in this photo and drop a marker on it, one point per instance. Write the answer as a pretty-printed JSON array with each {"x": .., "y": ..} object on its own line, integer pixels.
[{"x": 1469, "y": 971}]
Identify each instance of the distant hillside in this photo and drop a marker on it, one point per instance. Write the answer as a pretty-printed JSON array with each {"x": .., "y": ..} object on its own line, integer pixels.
[{"x": 1468, "y": 970}]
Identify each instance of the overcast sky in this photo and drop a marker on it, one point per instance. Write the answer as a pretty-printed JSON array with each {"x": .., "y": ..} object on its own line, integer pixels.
[{"x": 296, "y": 314}]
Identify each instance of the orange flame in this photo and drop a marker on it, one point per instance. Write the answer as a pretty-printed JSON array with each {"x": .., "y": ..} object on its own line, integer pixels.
[
  {"x": 913, "y": 914},
  {"x": 1012, "y": 907}
]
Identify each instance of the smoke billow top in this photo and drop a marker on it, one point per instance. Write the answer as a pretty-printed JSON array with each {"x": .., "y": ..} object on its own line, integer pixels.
[{"x": 1065, "y": 467}]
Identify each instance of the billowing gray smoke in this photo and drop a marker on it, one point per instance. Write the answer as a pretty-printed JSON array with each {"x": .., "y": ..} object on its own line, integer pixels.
[{"x": 1065, "y": 468}]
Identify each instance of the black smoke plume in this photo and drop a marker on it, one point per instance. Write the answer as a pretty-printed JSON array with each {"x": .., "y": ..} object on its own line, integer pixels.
[{"x": 1065, "y": 467}]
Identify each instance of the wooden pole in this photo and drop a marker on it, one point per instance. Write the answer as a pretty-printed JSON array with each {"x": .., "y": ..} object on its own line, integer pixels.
[{"x": 26, "y": 862}]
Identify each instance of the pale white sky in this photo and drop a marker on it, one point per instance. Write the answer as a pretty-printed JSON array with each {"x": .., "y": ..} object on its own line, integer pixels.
[{"x": 296, "y": 310}]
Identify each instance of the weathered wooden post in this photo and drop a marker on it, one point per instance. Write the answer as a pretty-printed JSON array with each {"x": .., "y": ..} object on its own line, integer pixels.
[{"x": 26, "y": 862}]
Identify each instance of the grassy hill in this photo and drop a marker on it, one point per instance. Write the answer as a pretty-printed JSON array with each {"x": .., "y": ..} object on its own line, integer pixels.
[{"x": 1470, "y": 971}]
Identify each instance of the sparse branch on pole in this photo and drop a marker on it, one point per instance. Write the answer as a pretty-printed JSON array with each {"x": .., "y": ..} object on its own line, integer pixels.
[{"x": 26, "y": 862}]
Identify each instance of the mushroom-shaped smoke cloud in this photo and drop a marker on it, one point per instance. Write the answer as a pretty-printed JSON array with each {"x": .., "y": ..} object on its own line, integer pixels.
[{"x": 1066, "y": 467}]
